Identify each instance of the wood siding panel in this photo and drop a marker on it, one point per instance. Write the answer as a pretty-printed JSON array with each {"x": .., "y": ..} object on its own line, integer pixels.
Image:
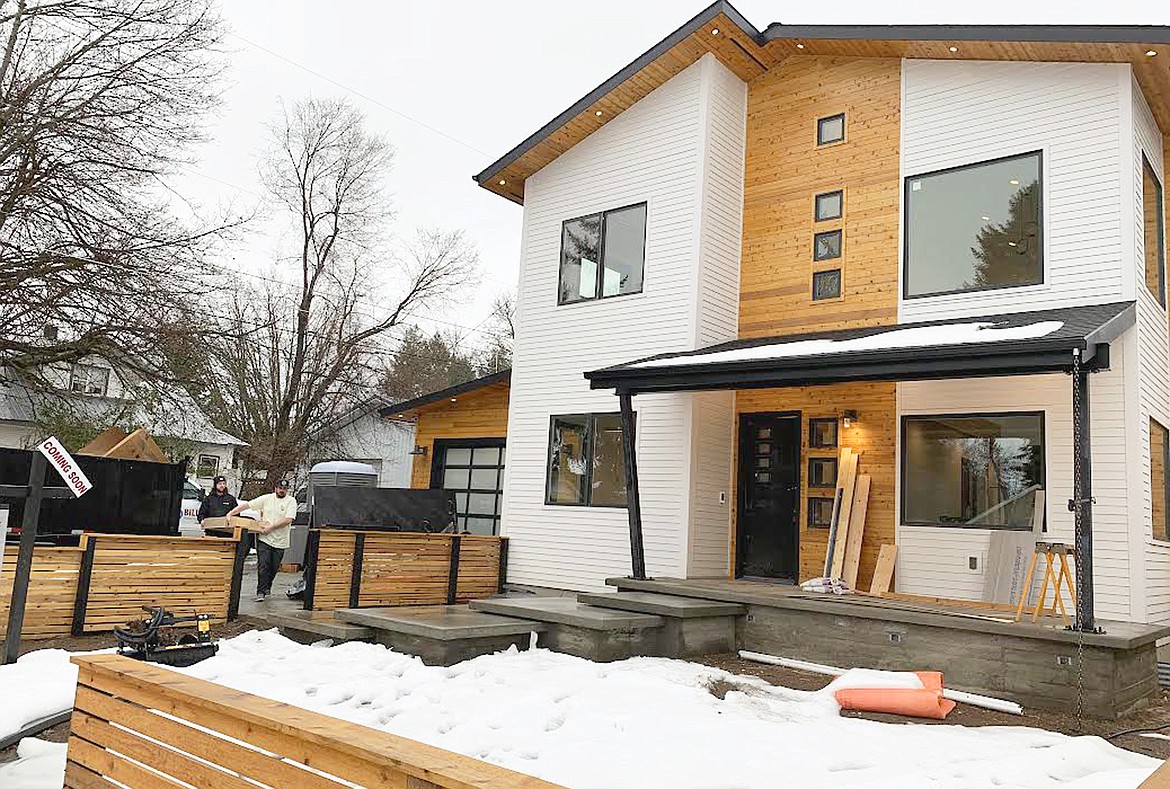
[
  {"x": 479, "y": 414},
  {"x": 873, "y": 436},
  {"x": 785, "y": 169}
]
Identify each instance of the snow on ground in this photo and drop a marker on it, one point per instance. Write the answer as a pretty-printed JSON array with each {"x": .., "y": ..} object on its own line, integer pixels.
[
  {"x": 650, "y": 722},
  {"x": 37, "y": 685},
  {"x": 653, "y": 722},
  {"x": 39, "y": 765}
]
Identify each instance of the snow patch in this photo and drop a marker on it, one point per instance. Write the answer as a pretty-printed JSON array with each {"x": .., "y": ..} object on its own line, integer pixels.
[
  {"x": 917, "y": 337},
  {"x": 37, "y": 685},
  {"x": 39, "y": 765}
]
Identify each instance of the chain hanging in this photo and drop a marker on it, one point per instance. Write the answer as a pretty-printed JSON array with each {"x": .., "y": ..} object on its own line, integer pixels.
[{"x": 1078, "y": 503}]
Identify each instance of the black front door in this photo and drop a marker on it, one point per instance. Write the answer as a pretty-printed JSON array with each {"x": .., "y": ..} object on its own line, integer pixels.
[{"x": 768, "y": 520}]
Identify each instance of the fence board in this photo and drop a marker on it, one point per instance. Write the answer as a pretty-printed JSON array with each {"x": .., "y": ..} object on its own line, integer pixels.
[
  {"x": 52, "y": 588},
  {"x": 275, "y": 745},
  {"x": 403, "y": 568}
]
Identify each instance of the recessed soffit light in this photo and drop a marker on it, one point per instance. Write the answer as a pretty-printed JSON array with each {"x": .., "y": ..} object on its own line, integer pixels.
[
  {"x": 597, "y": 113},
  {"x": 714, "y": 31},
  {"x": 1151, "y": 52},
  {"x": 954, "y": 49},
  {"x": 502, "y": 182}
]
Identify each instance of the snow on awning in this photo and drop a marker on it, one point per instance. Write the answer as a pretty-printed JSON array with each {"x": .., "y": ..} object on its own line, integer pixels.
[{"x": 1015, "y": 344}]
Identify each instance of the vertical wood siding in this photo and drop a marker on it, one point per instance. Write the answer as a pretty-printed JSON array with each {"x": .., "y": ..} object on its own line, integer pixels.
[{"x": 482, "y": 413}]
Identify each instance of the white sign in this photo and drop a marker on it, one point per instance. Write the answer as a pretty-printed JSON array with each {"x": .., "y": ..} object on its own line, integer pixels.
[{"x": 65, "y": 465}]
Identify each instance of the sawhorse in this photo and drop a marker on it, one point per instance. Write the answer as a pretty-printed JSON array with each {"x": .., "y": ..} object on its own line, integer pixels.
[{"x": 1054, "y": 553}]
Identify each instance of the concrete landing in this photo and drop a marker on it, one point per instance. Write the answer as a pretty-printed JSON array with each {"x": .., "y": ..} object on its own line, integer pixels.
[
  {"x": 315, "y": 625},
  {"x": 443, "y": 622},
  {"x": 443, "y": 635},
  {"x": 567, "y": 611},
  {"x": 662, "y": 604}
]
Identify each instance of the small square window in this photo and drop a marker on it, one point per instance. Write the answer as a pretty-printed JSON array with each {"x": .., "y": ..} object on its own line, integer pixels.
[
  {"x": 822, "y": 472},
  {"x": 207, "y": 467},
  {"x": 827, "y": 284},
  {"x": 820, "y": 512},
  {"x": 827, "y": 246},
  {"x": 822, "y": 433},
  {"x": 828, "y": 206},
  {"x": 831, "y": 129}
]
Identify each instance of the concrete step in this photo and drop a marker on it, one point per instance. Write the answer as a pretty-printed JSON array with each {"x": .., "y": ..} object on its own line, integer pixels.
[
  {"x": 600, "y": 634},
  {"x": 567, "y": 611},
  {"x": 662, "y": 604},
  {"x": 442, "y": 635},
  {"x": 315, "y": 625}
]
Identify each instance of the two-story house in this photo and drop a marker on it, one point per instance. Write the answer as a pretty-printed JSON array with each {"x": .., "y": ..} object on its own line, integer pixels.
[{"x": 941, "y": 246}]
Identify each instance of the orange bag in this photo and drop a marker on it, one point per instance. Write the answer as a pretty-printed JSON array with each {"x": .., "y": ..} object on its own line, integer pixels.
[{"x": 925, "y": 702}]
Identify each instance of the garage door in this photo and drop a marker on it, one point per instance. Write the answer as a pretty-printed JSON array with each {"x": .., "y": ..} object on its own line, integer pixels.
[{"x": 474, "y": 470}]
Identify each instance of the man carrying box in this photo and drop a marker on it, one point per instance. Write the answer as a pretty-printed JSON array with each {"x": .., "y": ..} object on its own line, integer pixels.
[{"x": 277, "y": 511}]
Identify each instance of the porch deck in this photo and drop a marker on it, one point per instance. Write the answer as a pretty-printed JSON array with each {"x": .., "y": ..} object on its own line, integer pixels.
[{"x": 977, "y": 648}]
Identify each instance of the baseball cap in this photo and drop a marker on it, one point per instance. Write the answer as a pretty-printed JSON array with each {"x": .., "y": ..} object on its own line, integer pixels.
[
  {"x": 218, "y": 480},
  {"x": 284, "y": 483}
]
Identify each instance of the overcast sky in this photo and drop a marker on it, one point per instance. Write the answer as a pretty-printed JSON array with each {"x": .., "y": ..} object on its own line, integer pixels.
[{"x": 454, "y": 84}]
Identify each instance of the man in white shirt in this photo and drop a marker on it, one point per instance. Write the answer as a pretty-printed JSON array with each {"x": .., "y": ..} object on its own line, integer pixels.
[{"x": 277, "y": 511}]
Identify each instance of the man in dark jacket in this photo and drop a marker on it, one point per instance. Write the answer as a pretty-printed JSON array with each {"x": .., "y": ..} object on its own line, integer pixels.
[{"x": 218, "y": 503}]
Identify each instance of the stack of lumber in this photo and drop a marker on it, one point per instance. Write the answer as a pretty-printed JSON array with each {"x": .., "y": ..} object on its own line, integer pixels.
[
  {"x": 847, "y": 527},
  {"x": 116, "y": 443}
]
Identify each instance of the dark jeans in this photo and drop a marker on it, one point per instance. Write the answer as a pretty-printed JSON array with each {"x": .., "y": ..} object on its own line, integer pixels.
[{"x": 267, "y": 561}]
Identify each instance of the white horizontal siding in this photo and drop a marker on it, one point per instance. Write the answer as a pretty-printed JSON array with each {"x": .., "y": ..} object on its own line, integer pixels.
[
  {"x": 654, "y": 152},
  {"x": 713, "y": 450},
  {"x": 962, "y": 112},
  {"x": 1153, "y": 377},
  {"x": 934, "y": 560}
]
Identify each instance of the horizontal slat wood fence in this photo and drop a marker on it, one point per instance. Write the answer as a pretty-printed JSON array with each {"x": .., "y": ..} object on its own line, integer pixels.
[
  {"x": 354, "y": 568},
  {"x": 52, "y": 591},
  {"x": 105, "y": 581},
  {"x": 143, "y": 727}
]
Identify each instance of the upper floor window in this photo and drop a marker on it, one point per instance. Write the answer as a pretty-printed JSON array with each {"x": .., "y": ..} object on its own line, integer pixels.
[
  {"x": 89, "y": 379},
  {"x": 975, "y": 227},
  {"x": 831, "y": 129},
  {"x": 586, "y": 464},
  {"x": 1152, "y": 225},
  {"x": 602, "y": 254},
  {"x": 828, "y": 206}
]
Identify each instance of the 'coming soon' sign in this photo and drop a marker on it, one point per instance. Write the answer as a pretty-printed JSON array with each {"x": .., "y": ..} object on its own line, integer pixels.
[{"x": 65, "y": 465}]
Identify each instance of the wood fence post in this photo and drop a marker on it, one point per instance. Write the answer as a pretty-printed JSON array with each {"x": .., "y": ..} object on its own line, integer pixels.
[
  {"x": 84, "y": 575},
  {"x": 355, "y": 578},
  {"x": 453, "y": 570},
  {"x": 503, "y": 564},
  {"x": 24, "y": 557}
]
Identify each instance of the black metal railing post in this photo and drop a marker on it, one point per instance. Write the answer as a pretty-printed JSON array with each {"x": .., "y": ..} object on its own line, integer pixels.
[{"x": 633, "y": 504}]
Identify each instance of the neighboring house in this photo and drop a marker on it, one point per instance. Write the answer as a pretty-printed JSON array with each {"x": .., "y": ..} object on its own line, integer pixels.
[
  {"x": 460, "y": 435},
  {"x": 361, "y": 435},
  {"x": 763, "y": 211},
  {"x": 96, "y": 391}
]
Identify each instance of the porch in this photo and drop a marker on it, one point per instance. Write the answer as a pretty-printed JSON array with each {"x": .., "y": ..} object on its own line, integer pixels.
[
  {"x": 788, "y": 388},
  {"x": 978, "y": 648}
]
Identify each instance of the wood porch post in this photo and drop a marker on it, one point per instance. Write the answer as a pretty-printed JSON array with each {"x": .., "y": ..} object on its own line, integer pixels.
[{"x": 633, "y": 506}]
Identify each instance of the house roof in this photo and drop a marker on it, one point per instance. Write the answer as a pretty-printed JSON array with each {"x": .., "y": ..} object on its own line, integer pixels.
[
  {"x": 400, "y": 409},
  {"x": 721, "y": 30},
  {"x": 970, "y": 347},
  {"x": 176, "y": 417}
]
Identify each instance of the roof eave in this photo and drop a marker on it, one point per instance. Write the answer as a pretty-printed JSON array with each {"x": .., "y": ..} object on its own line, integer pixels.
[
  {"x": 1051, "y": 34},
  {"x": 489, "y": 174}
]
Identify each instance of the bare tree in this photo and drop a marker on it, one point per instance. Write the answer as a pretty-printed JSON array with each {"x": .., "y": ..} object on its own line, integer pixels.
[
  {"x": 291, "y": 359},
  {"x": 99, "y": 101},
  {"x": 501, "y": 326}
]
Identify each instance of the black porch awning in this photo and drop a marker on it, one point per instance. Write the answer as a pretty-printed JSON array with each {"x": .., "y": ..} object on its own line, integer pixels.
[{"x": 1020, "y": 343}]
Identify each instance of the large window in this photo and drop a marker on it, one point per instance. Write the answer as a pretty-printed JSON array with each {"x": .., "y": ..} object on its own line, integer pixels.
[
  {"x": 1152, "y": 223},
  {"x": 89, "y": 379},
  {"x": 585, "y": 461},
  {"x": 602, "y": 255},
  {"x": 975, "y": 227},
  {"x": 979, "y": 471},
  {"x": 474, "y": 469},
  {"x": 1159, "y": 480}
]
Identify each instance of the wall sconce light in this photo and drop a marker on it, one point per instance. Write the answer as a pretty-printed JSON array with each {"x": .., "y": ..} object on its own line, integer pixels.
[
  {"x": 848, "y": 418},
  {"x": 419, "y": 450}
]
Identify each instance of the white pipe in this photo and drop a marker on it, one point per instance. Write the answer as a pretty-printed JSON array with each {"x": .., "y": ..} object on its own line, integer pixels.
[{"x": 974, "y": 699}]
